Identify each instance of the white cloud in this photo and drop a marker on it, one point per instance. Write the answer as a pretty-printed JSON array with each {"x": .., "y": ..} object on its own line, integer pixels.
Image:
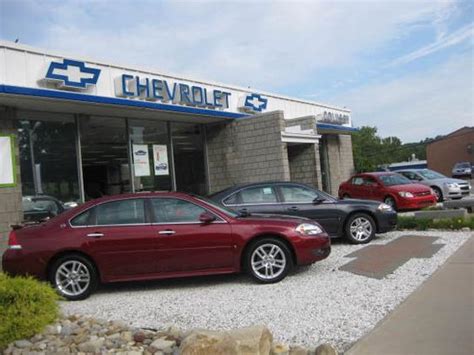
[
  {"x": 436, "y": 101},
  {"x": 442, "y": 42},
  {"x": 261, "y": 44}
]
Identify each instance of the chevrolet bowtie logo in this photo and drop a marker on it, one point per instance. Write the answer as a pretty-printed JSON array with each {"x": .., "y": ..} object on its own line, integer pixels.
[
  {"x": 255, "y": 102},
  {"x": 72, "y": 74}
]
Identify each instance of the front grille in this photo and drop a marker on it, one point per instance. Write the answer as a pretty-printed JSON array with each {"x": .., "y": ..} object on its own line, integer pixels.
[{"x": 425, "y": 193}]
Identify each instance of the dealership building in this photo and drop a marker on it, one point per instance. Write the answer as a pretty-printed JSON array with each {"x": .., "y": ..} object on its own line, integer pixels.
[{"x": 77, "y": 129}]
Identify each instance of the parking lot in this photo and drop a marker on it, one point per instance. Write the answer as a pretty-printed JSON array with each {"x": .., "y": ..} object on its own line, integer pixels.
[{"x": 337, "y": 300}]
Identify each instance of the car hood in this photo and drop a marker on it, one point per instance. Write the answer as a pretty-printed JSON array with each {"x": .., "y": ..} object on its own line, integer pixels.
[
  {"x": 409, "y": 188},
  {"x": 446, "y": 181}
]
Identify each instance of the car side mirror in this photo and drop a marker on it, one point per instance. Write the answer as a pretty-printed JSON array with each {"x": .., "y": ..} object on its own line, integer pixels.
[
  {"x": 70, "y": 205},
  {"x": 207, "y": 218},
  {"x": 318, "y": 200}
]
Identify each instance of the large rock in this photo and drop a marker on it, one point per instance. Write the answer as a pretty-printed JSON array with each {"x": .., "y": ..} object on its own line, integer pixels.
[
  {"x": 256, "y": 340},
  {"x": 325, "y": 349}
]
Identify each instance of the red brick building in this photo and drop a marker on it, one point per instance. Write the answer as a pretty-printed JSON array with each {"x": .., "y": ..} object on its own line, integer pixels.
[{"x": 455, "y": 147}]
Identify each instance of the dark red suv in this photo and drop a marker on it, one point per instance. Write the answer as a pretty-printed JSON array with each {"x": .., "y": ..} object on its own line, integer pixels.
[{"x": 159, "y": 235}]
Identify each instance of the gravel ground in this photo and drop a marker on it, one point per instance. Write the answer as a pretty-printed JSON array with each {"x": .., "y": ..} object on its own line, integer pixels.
[{"x": 315, "y": 304}]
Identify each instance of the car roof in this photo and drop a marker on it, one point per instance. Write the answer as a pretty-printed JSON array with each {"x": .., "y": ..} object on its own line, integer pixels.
[
  {"x": 378, "y": 173},
  {"x": 243, "y": 186}
]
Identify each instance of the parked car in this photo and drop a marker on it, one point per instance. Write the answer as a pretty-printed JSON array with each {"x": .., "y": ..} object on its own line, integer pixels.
[
  {"x": 462, "y": 169},
  {"x": 444, "y": 187},
  {"x": 393, "y": 189},
  {"x": 40, "y": 207},
  {"x": 356, "y": 220},
  {"x": 159, "y": 235}
]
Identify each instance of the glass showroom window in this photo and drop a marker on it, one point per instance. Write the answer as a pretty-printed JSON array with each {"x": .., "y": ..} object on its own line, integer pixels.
[
  {"x": 48, "y": 161},
  {"x": 151, "y": 155}
]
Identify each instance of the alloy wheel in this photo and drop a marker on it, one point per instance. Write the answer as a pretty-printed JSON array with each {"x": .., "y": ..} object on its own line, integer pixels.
[
  {"x": 360, "y": 229},
  {"x": 72, "y": 278},
  {"x": 268, "y": 261}
]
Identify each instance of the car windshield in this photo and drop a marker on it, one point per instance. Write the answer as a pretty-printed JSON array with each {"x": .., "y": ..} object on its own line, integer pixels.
[
  {"x": 463, "y": 165},
  {"x": 431, "y": 175},
  {"x": 394, "y": 179},
  {"x": 217, "y": 206}
]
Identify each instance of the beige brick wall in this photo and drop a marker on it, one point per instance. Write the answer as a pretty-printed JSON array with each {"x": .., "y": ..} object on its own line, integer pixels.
[
  {"x": 247, "y": 150},
  {"x": 341, "y": 161},
  {"x": 10, "y": 197}
]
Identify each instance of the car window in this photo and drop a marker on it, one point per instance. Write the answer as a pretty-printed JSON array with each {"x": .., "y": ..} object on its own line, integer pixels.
[
  {"x": 121, "y": 212},
  {"x": 173, "y": 210},
  {"x": 82, "y": 220},
  {"x": 431, "y": 175},
  {"x": 368, "y": 181},
  {"x": 394, "y": 179},
  {"x": 410, "y": 175},
  {"x": 357, "y": 180},
  {"x": 298, "y": 194},
  {"x": 232, "y": 199},
  {"x": 259, "y": 194}
]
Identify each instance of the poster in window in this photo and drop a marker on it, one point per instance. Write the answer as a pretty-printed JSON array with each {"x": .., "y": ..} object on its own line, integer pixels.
[
  {"x": 160, "y": 157},
  {"x": 7, "y": 161},
  {"x": 141, "y": 160}
]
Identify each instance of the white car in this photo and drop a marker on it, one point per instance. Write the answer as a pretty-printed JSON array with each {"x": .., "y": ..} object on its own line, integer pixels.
[
  {"x": 444, "y": 187},
  {"x": 462, "y": 169}
]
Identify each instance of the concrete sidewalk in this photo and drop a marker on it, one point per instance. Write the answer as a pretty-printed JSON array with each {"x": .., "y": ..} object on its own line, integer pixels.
[{"x": 438, "y": 318}]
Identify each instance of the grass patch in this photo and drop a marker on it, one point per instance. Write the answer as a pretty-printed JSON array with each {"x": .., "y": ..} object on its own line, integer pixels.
[
  {"x": 26, "y": 307},
  {"x": 428, "y": 223}
]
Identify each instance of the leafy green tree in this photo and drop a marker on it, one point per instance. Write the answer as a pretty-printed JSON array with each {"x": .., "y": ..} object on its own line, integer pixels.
[{"x": 371, "y": 151}]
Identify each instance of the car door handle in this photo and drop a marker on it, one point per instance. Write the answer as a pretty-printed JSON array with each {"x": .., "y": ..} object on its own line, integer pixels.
[
  {"x": 167, "y": 232},
  {"x": 293, "y": 208},
  {"x": 95, "y": 235}
]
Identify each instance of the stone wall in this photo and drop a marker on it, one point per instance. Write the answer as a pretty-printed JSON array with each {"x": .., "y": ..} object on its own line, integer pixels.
[
  {"x": 10, "y": 197},
  {"x": 247, "y": 150},
  {"x": 341, "y": 161}
]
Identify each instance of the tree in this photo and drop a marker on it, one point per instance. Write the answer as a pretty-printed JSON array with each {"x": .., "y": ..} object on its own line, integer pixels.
[{"x": 371, "y": 151}]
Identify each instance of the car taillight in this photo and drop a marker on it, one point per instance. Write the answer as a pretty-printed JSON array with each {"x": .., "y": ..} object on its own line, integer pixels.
[{"x": 13, "y": 241}]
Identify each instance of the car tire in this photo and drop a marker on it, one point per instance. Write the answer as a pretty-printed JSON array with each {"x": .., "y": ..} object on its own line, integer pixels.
[
  {"x": 360, "y": 228},
  {"x": 389, "y": 200},
  {"x": 438, "y": 193},
  {"x": 73, "y": 276},
  {"x": 268, "y": 260}
]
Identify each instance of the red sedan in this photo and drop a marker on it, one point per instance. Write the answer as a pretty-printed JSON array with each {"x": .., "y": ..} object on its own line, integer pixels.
[
  {"x": 393, "y": 189},
  {"x": 159, "y": 235}
]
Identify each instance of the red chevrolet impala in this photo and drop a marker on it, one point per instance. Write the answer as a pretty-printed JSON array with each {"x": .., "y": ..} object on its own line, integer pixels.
[
  {"x": 159, "y": 235},
  {"x": 392, "y": 188}
]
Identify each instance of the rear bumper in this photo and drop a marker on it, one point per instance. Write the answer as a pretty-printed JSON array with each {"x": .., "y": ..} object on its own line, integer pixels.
[{"x": 19, "y": 263}]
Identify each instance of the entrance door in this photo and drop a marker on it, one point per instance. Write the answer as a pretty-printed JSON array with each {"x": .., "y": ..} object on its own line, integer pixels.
[
  {"x": 188, "y": 149},
  {"x": 104, "y": 156}
]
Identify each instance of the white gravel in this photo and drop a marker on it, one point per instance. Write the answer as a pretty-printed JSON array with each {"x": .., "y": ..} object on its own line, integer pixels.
[{"x": 316, "y": 304}]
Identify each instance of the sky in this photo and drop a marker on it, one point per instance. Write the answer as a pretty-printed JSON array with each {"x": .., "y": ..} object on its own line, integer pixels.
[{"x": 406, "y": 67}]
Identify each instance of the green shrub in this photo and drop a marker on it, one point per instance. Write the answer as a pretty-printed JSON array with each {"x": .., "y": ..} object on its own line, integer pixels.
[
  {"x": 428, "y": 223},
  {"x": 26, "y": 307}
]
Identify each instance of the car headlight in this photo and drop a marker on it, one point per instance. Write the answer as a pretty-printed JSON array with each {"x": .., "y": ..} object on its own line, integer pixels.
[
  {"x": 452, "y": 185},
  {"x": 308, "y": 229},
  {"x": 405, "y": 194},
  {"x": 383, "y": 207}
]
